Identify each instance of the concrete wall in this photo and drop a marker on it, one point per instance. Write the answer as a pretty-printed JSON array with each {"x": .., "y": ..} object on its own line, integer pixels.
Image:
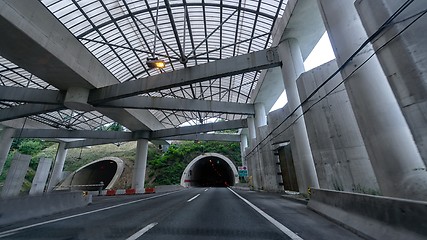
[
  {"x": 374, "y": 217},
  {"x": 268, "y": 162},
  {"x": 339, "y": 153},
  {"x": 23, "y": 208},
  {"x": 15, "y": 175}
]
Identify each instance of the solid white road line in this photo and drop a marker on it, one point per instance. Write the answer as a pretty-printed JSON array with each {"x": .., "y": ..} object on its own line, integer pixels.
[
  {"x": 191, "y": 199},
  {"x": 282, "y": 228},
  {"x": 13, "y": 231},
  {"x": 142, "y": 231}
]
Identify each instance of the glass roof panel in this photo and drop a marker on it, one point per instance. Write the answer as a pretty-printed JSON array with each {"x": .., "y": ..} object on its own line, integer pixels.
[{"x": 121, "y": 34}]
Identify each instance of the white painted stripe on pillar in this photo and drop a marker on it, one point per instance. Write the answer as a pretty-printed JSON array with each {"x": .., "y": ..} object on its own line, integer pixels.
[
  {"x": 280, "y": 226},
  {"x": 142, "y": 231}
]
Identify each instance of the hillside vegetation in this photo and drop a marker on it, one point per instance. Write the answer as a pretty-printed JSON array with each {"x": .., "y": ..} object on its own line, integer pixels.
[{"x": 162, "y": 169}]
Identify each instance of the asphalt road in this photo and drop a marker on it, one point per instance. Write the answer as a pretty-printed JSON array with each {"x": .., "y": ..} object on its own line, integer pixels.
[{"x": 196, "y": 213}]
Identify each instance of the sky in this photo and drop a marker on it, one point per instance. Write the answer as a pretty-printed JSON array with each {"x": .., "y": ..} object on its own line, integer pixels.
[{"x": 322, "y": 53}]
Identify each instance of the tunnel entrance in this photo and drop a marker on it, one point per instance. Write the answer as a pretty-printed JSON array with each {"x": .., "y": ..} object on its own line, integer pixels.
[
  {"x": 210, "y": 170},
  {"x": 106, "y": 170}
]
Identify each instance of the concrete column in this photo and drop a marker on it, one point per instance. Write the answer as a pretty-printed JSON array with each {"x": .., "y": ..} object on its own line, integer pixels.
[
  {"x": 140, "y": 166},
  {"x": 56, "y": 175},
  {"x": 243, "y": 146},
  {"x": 293, "y": 66},
  {"x": 15, "y": 176},
  {"x": 403, "y": 60},
  {"x": 5, "y": 143},
  {"x": 260, "y": 115},
  {"x": 42, "y": 173},
  {"x": 395, "y": 159},
  {"x": 251, "y": 128}
]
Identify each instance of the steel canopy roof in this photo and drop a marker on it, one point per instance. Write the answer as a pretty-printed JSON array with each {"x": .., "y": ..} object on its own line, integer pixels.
[{"x": 121, "y": 34}]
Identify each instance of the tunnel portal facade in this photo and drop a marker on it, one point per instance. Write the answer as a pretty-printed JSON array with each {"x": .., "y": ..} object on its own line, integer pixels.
[
  {"x": 210, "y": 170},
  {"x": 106, "y": 170}
]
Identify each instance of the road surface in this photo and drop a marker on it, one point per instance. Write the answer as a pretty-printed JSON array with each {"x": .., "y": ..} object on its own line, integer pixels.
[{"x": 195, "y": 213}]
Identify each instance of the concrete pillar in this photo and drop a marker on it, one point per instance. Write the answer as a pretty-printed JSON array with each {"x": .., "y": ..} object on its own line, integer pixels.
[
  {"x": 15, "y": 176},
  {"x": 5, "y": 143},
  {"x": 395, "y": 159},
  {"x": 251, "y": 128},
  {"x": 293, "y": 66},
  {"x": 260, "y": 115},
  {"x": 56, "y": 175},
  {"x": 243, "y": 146},
  {"x": 140, "y": 166},
  {"x": 403, "y": 60},
  {"x": 39, "y": 181},
  {"x": 76, "y": 98}
]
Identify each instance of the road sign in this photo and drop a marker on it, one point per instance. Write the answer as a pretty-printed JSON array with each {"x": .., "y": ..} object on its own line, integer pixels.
[{"x": 243, "y": 173}]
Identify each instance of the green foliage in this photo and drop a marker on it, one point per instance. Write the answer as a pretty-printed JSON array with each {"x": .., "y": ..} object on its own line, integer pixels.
[
  {"x": 115, "y": 127},
  {"x": 30, "y": 147}
]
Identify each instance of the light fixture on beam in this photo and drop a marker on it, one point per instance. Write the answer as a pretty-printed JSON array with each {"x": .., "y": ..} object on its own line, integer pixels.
[{"x": 155, "y": 63}]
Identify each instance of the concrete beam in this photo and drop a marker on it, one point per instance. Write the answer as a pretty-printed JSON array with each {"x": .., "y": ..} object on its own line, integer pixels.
[
  {"x": 209, "y": 127},
  {"x": 39, "y": 43},
  {"x": 140, "y": 102},
  {"x": 27, "y": 110},
  {"x": 207, "y": 137},
  {"x": 62, "y": 133},
  {"x": 254, "y": 61},
  {"x": 93, "y": 142},
  {"x": 301, "y": 20},
  {"x": 31, "y": 95}
]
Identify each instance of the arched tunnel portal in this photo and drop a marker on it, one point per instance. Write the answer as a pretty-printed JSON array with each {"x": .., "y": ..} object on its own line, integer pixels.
[
  {"x": 106, "y": 170},
  {"x": 210, "y": 170}
]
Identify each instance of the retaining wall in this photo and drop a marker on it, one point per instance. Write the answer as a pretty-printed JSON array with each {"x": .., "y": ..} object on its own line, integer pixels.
[
  {"x": 374, "y": 217},
  {"x": 22, "y": 208}
]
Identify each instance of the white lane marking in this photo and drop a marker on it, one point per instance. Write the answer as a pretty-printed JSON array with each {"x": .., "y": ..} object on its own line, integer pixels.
[
  {"x": 282, "y": 228},
  {"x": 191, "y": 199},
  {"x": 13, "y": 231},
  {"x": 142, "y": 231},
  {"x": 206, "y": 189}
]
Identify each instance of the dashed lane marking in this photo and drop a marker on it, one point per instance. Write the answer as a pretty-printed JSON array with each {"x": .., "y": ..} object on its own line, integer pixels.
[
  {"x": 191, "y": 199},
  {"x": 142, "y": 231}
]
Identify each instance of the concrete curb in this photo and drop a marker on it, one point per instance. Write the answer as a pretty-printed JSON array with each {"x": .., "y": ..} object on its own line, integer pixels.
[{"x": 295, "y": 199}]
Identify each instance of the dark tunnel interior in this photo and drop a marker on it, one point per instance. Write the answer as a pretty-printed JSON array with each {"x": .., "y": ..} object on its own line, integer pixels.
[
  {"x": 102, "y": 171},
  {"x": 211, "y": 172}
]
